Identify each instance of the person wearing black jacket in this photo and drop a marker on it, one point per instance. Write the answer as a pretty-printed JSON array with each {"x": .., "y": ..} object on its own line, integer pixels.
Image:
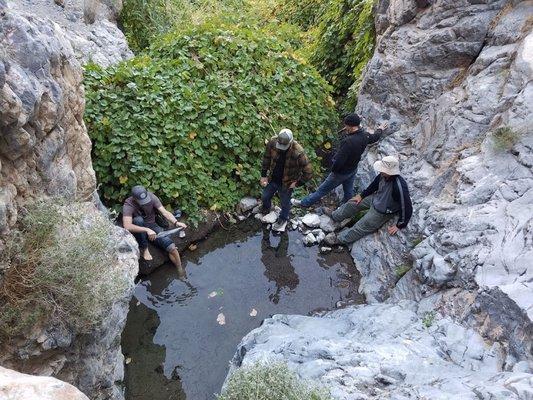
[
  {"x": 345, "y": 162},
  {"x": 387, "y": 196}
]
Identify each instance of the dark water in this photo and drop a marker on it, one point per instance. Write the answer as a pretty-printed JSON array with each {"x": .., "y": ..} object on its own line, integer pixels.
[{"x": 177, "y": 348}]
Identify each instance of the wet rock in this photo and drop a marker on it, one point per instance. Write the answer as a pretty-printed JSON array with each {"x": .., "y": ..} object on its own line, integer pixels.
[
  {"x": 17, "y": 386},
  {"x": 325, "y": 249},
  {"x": 327, "y": 224},
  {"x": 311, "y": 220},
  {"x": 309, "y": 239},
  {"x": 355, "y": 350},
  {"x": 331, "y": 239},
  {"x": 270, "y": 218},
  {"x": 246, "y": 204}
]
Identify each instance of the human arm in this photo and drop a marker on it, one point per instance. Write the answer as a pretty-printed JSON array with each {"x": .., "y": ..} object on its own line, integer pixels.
[
  {"x": 378, "y": 133},
  {"x": 267, "y": 160},
  {"x": 372, "y": 188},
  {"x": 170, "y": 218},
  {"x": 127, "y": 223}
]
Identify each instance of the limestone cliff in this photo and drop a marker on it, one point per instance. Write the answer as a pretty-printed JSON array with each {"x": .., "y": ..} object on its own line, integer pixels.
[
  {"x": 453, "y": 78},
  {"x": 45, "y": 151}
]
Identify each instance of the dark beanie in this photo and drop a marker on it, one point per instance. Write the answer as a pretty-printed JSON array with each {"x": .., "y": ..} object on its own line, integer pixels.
[{"x": 352, "y": 120}]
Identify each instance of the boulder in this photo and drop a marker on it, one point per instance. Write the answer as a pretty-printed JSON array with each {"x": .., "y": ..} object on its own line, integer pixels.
[
  {"x": 270, "y": 218},
  {"x": 376, "y": 352},
  {"x": 246, "y": 204},
  {"x": 311, "y": 220},
  {"x": 17, "y": 386},
  {"x": 327, "y": 224},
  {"x": 309, "y": 239}
]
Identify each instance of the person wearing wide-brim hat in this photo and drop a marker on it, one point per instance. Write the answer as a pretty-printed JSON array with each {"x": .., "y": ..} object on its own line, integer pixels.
[{"x": 386, "y": 197}]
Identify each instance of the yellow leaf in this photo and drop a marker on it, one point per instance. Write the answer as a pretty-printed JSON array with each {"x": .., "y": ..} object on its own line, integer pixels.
[
  {"x": 123, "y": 180},
  {"x": 214, "y": 207},
  {"x": 327, "y": 145},
  {"x": 192, "y": 135}
]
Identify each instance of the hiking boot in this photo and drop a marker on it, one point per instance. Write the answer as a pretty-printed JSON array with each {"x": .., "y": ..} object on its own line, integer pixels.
[
  {"x": 296, "y": 203},
  {"x": 279, "y": 225}
]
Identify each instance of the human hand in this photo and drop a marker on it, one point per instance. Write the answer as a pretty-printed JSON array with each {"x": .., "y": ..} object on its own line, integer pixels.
[
  {"x": 393, "y": 229},
  {"x": 263, "y": 182},
  {"x": 151, "y": 234},
  {"x": 180, "y": 225},
  {"x": 357, "y": 199}
]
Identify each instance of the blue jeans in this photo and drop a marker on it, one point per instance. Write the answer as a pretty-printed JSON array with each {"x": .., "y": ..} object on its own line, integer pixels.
[
  {"x": 164, "y": 243},
  {"x": 332, "y": 181},
  {"x": 285, "y": 195}
]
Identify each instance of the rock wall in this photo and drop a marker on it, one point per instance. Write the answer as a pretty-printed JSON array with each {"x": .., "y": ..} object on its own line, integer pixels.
[
  {"x": 45, "y": 151},
  {"x": 453, "y": 79}
]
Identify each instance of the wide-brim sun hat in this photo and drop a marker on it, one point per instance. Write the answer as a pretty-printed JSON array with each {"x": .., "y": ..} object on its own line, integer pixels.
[
  {"x": 389, "y": 165},
  {"x": 284, "y": 139}
]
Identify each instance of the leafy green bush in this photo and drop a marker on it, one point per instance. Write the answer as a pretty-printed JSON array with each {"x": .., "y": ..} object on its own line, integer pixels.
[
  {"x": 344, "y": 44},
  {"x": 189, "y": 119},
  {"x": 270, "y": 382},
  {"x": 55, "y": 265},
  {"x": 304, "y": 13}
]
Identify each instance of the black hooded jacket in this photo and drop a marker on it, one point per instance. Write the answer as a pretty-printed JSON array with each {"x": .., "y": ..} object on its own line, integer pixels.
[{"x": 351, "y": 149}]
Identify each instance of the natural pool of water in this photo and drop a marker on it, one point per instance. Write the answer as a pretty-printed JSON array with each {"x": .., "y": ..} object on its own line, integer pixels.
[{"x": 175, "y": 345}]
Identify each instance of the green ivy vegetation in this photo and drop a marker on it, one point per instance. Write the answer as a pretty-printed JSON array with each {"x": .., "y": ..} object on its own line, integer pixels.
[
  {"x": 189, "y": 118},
  {"x": 344, "y": 43}
]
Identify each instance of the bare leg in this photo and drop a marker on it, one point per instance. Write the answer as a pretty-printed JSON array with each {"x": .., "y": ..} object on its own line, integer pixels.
[
  {"x": 146, "y": 255},
  {"x": 174, "y": 256}
]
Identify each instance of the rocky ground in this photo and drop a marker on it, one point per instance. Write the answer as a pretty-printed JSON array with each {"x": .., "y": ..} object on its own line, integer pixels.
[{"x": 453, "y": 79}]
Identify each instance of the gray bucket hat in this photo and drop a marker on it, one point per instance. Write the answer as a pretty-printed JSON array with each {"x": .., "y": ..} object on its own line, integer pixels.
[
  {"x": 284, "y": 140},
  {"x": 140, "y": 194},
  {"x": 388, "y": 165}
]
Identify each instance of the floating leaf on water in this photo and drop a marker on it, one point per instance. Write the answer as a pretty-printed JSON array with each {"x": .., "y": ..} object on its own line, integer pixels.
[
  {"x": 128, "y": 360},
  {"x": 253, "y": 313},
  {"x": 138, "y": 303},
  {"x": 221, "y": 319},
  {"x": 212, "y": 294},
  {"x": 193, "y": 247}
]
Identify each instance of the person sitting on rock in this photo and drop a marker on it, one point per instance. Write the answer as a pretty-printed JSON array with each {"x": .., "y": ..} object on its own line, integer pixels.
[
  {"x": 138, "y": 217},
  {"x": 345, "y": 161},
  {"x": 285, "y": 166},
  {"x": 384, "y": 198}
]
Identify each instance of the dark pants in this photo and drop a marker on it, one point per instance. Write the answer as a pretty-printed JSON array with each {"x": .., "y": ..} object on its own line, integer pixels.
[
  {"x": 164, "y": 243},
  {"x": 285, "y": 195},
  {"x": 332, "y": 181}
]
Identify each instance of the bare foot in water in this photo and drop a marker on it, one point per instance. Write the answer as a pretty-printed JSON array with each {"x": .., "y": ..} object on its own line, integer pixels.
[{"x": 146, "y": 255}]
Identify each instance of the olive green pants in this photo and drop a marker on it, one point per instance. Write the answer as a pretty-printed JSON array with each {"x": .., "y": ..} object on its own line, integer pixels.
[{"x": 369, "y": 223}]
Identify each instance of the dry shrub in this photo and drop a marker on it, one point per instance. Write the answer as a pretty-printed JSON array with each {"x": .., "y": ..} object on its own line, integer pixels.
[{"x": 59, "y": 266}]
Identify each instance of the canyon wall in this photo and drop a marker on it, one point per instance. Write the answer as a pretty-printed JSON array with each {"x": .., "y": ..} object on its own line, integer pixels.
[{"x": 453, "y": 79}]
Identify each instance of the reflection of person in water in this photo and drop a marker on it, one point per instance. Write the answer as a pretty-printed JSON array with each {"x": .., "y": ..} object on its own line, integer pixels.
[{"x": 278, "y": 267}]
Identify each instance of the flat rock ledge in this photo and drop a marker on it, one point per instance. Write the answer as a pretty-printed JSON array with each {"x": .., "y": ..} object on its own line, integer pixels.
[
  {"x": 17, "y": 386},
  {"x": 386, "y": 351}
]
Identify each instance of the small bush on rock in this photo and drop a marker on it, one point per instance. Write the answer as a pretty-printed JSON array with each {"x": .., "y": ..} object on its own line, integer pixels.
[
  {"x": 190, "y": 118},
  {"x": 270, "y": 382},
  {"x": 58, "y": 266},
  {"x": 505, "y": 138}
]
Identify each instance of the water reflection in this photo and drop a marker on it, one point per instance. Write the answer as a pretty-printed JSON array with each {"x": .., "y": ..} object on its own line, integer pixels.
[
  {"x": 277, "y": 263},
  {"x": 173, "y": 335}
]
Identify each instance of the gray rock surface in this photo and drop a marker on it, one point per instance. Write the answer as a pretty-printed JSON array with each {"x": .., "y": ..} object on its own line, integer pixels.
[
  {"x": 17, "y": 386},
  {"x": 89, "y": 25},
  {"x": 247, "y": 204},
  {"x": 453, "y": 79},
  {"x": 311, "y": 220},
  {"x": 44, "y": 146},
  {"x": 387, "y": 351},
  {"x": 92, "y": 361}
]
